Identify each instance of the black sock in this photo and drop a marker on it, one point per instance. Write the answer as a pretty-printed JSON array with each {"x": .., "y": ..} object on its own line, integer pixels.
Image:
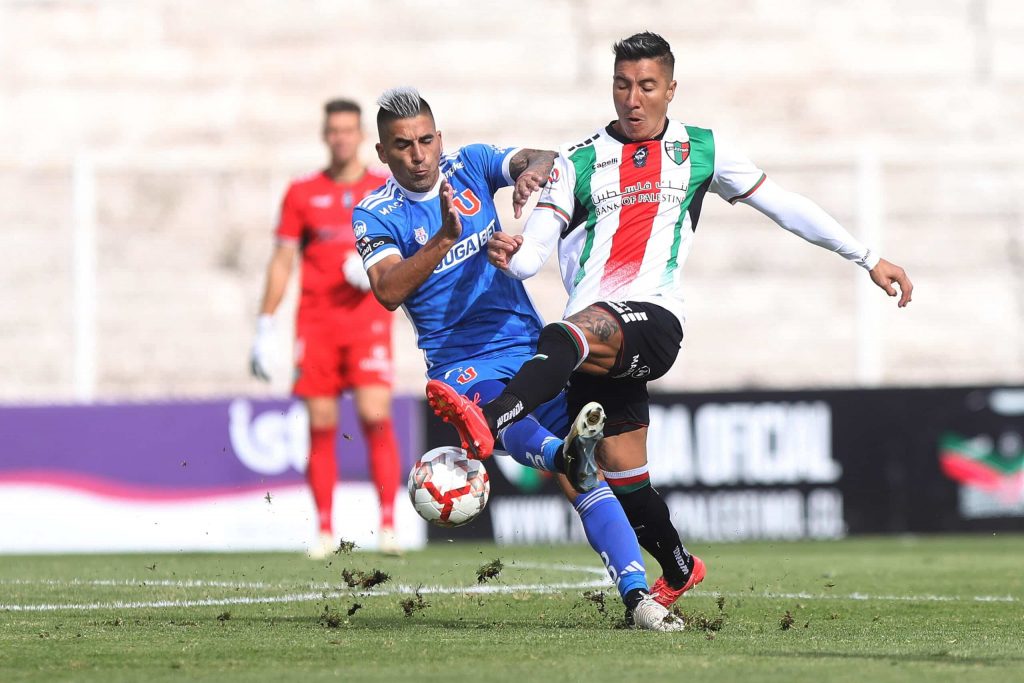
[
  {"x": 632, "y": 598},
  {"x": 539, "y": 380},
  {"x": 649, "y": 516},
  {"x": 560, "y": 460}
]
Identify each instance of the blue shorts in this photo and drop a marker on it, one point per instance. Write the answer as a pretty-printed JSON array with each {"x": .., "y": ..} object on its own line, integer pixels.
[{"x": 463, "y": 375}]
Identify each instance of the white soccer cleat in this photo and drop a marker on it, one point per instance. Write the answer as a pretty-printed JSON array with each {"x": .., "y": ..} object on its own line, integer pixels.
[
  {"x": 389, "y": 542},
  {"x": 650, "y": 616},
  {"x": 324, "y": 546}
]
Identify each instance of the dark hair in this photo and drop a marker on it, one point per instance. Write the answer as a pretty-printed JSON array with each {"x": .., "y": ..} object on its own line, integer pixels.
[
  {"x": 400, "y": 103},
  {"x": 645, "y": 45},
  {"x": 340, "y": 105}
]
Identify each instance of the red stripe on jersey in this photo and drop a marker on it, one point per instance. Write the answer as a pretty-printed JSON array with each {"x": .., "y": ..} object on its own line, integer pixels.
[
  {"x": 545, "y": 205},
  {"x": 639, "y": 174},
  {"x": 627, "y": 481}
]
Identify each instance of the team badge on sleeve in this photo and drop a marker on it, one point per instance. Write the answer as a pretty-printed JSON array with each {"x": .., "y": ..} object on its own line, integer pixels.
[
  {"x": 677, "y": 151},
  {"x": 359, "y": 227},
  {"x": 421, "y": 235}
]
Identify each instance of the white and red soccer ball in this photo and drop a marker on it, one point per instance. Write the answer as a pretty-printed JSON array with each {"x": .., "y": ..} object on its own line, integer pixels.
[{"x": 447, "y": 488}]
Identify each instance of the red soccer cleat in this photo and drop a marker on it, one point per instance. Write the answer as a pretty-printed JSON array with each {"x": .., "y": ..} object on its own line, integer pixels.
[
  {"x": 666, "y": 596},
  {"x": 465, "y": 416}
]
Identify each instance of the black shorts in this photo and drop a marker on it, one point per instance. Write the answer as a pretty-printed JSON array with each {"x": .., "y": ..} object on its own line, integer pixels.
[{"x": 651, "y": 336}]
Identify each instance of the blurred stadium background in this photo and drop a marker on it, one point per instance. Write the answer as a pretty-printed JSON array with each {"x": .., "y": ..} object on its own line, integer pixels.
[{"x": 144, "y": 147}]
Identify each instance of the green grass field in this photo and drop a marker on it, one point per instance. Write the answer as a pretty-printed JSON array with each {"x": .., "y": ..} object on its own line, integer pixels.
[{"x": 936, "y": 609}]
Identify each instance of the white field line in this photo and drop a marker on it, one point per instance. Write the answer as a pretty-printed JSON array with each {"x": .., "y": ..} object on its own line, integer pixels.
[
  {"x": 331, "y": 591},
  {"x": 323, "y": 590},
  {"x": 314, "y": 597},
  {"x": 257, "y": 585}
]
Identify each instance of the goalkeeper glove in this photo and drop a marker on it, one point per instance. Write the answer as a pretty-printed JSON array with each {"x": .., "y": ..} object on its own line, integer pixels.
[
  {"x": 262, "y": 348},
  {"x": 355, "y": 274}
]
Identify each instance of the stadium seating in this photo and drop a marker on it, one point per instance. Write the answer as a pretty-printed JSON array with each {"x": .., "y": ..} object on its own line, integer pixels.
[{"x": 189, "y": 118}]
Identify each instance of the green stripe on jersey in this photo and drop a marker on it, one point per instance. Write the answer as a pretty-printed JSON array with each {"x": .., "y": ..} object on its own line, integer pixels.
[
  {"x": 702, "y": 167},
  {"x": 583, "y": 160}
]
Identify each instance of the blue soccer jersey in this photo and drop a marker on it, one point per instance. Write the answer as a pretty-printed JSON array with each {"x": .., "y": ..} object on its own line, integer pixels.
[{"x": 466, "y": 308}]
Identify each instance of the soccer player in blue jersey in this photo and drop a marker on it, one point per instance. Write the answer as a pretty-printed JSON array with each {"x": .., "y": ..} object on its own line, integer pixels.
[{"x": 423, "y": 238}]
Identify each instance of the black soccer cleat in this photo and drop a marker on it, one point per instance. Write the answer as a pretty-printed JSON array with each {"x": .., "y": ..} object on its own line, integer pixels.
[{"x": 578, "y": 450}]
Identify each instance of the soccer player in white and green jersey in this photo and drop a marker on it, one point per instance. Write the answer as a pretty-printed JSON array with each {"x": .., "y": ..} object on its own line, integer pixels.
[{"x": 622, "y": 206}]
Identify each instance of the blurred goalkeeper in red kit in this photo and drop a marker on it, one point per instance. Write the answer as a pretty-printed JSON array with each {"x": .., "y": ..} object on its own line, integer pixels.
[{"x": 343, "y": 335}]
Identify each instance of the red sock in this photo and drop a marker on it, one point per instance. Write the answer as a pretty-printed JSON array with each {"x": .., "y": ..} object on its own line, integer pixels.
[
  {"x": 380, "y": 437},
  {"x": 323, "y": 472}
]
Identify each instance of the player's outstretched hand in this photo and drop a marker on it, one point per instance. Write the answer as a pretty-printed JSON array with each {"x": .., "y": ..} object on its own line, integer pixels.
[
  {"x": 528, "y": 182},
  {"x": 501, "y": 248},
  {"x": 262, "y": 348},
  {"x": 451, "y": 223},
  {"x": 887, "y": 274}
]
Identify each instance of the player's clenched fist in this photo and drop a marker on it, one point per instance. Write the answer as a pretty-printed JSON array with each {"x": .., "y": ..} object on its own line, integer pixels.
[{"x": 501, "y": 247}]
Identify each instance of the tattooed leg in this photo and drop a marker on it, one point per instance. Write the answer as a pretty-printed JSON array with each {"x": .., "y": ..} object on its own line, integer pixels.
[{"x": 603, "y": 336}]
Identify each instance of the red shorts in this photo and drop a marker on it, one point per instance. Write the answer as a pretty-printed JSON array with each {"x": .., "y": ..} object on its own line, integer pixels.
[{"x": 328, "y": 361}]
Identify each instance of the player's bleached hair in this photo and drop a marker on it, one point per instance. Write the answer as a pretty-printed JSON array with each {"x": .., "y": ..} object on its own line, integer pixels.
[
  {"x": 403, "y": 103},
  {"x": 400, "y": 103},
  {"x": 646, "y": 45}
]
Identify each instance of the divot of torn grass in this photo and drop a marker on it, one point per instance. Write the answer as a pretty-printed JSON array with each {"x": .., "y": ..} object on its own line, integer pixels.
[
  {"x": 414, "y": 604},
  {"x": 700, "y": 620},
  {"x": 365, "y": 580},
  {"x": 330, "y": 619},
  {"x": 598, "y": 598},
  {"x": 345, "y": 547},
  {"x": 489, "y": 571}
]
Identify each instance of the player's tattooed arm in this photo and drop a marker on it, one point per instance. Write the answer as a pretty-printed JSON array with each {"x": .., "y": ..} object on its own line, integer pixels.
[
  {"x": 541, "y": 159},
  {"x": 530, "y": 169}
]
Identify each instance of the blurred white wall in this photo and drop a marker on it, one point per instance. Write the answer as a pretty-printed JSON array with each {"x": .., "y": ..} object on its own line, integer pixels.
[{"x": 187, "y": 118}]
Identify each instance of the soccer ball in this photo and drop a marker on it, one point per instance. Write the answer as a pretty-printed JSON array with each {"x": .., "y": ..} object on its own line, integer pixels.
[{"x": 447, "y": 488}]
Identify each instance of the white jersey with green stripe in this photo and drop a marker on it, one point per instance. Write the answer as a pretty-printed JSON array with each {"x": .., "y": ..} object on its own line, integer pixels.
[{"x": 630, "y": 209}]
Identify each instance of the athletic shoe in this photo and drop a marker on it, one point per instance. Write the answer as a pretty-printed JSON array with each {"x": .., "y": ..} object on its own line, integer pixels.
[
  {"x": 389, "y": 542},
  {"x": 648, "y": 615},
  {"x": 666, "y": 595},
  {"x": 465, "y": 416},
  {"x": 324, "y": 546},
  {"x": 579, "y": 447}
]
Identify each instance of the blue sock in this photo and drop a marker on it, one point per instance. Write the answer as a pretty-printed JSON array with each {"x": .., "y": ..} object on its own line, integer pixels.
[
  {"x": 612, "y": 537},
  {"x": 531, "y": 444},
  {"x": 528, "y": 442}
]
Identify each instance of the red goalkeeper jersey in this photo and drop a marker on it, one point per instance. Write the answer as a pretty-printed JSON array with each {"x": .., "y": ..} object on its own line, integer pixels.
[{"x": 317, "y": 215}]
